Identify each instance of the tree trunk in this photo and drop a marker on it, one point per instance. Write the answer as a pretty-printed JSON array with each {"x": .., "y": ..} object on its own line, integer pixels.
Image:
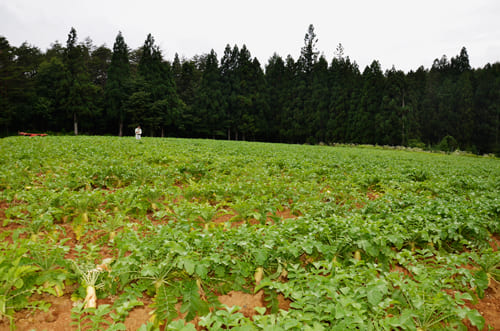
[
  {"x": 497, "y": 147},
  {"x": 120, "y": 129},
  {"x": 403, "y": 120},
  {"x": 75, "y": 124}
]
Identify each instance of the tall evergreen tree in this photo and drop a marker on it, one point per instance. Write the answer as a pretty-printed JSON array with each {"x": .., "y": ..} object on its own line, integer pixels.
[
  {"x": 118, "y": 82},
  {"x": 156, "y": 79},
  {"x": 309, "y": 53},
  {"x": 209, "y": 122},
  {"x": 460, "y": 63},
  {"x": 18, "y": 69},
  {"x": 370, "y": 102},
  {"x": 230, "y": 88},
  {"x": 276, "y": 96},
  {"x": 429, "y": 120},
  {"x": 80, "y": 93},
  {"x": 52, "y": 84},
  {"x": 98, "y": 66},
  {"x": 56, "y": 50},
  {"x": 417, "y": 81},
  {"x": 289, "y": 121},
  {"x": 22, "y": 88},
  {"x": 302, "y": 108},
  {"x": 391, "y": 119},
  {"x": 319, "y": 103},
  {"x": 187, "y": 83},
  {"x": 487, "y": 109},
  {"x": 6, "y": 76},
  {"x": 464, "y": 96},
  {"x": 260, "y": 102},
  {"x": 243, "y": 120},
  {"x": 177, "y": 70},
  {"x": 344, "y": 82}
]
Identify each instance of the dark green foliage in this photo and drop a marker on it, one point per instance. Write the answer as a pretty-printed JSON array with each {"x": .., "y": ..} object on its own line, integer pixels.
[
  {"x": 487, "y": 108},
  {"x": 277, "y": 81},
  {"x": 209, "y": 122},
  {"x": 187, "y": 83},
  {"x": 155, "y": 79},
  {"x": 307, "y": 100},
  {"x": 81, "y": 93},
  {"x": 448, "y": 144},
  {"x": 344, "y": 77},
  {"x": 18, "y": 68},
  {"x": 118, "y": 83},
  {"x": 230, "y": 88},
  {"x": 52, "y": 84},
  {"x": 309, "y": 53}
]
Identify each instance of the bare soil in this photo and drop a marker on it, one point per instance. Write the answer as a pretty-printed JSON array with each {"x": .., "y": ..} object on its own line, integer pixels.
[{"x": 489, "y": 307}]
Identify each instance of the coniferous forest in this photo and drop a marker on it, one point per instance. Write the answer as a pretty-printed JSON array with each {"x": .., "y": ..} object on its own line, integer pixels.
[{"x": 80, "y": 88}]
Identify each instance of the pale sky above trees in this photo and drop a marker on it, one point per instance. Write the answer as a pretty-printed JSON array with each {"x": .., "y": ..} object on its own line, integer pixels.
[{"x": 406, "y": 34}]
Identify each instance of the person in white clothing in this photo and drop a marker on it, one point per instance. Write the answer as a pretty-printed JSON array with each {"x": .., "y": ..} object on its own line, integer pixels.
[{"x": 138, "y": 132}]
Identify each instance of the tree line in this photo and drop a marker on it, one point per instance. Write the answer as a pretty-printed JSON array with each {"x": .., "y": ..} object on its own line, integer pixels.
[{"x": 81, "y": 88}]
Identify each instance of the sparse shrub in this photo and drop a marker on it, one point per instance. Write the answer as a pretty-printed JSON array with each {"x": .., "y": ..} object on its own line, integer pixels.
[
  {"x": 415, "y": 143},
  {"x": 448, "y": 144}
]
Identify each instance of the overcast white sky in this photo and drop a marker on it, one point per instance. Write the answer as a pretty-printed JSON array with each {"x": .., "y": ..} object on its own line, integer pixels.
[{"x": 406, "y": 34}]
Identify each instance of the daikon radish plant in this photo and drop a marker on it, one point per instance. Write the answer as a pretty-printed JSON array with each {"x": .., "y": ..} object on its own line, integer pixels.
[
  {"x": 89, "y": 279},
  {"x": 489, "y": 265},
  {"x": 111, "y": 223}
]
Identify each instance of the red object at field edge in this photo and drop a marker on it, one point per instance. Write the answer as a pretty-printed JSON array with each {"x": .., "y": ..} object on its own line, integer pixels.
[{"x": 32, "y": 134}]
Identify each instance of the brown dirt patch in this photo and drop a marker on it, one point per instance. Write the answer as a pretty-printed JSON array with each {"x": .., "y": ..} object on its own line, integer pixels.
[
  {"x": 227, "y": 216},
  {"x": 284, "y": 214},
  {"x": 8, "y": 230},
  {"x": 251, "y": 221},
  {"x": 373, "y": 195},
  {"x": 58, "y": 317},
  {"x": 223, "y": 217},
  {"x": 495, "y": 242},
  {"x": 246, "y": 301},
  {"x": 489, "y": 308},
  {"x": 137, "y": 317},
  {"x": 283, "y": 303},
  {"x": 401, "y": 269},
  {"x": 88, "y": 237},
  {"x": 3, "y": 207}
]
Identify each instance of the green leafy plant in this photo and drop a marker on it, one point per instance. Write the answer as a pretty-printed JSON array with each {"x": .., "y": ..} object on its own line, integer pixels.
[
  {"x": 48, "y": 255},
  {"x": 89, "y": 276},
  {"x": 17, "y": 282},
  {"x": 228, "y": 317},
  {"x": 91, "y": 318},
  {"x": 488, "y": 269}
]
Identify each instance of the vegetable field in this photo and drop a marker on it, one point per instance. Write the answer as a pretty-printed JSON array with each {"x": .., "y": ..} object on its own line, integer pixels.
[{"x": 177, "y": 234}]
